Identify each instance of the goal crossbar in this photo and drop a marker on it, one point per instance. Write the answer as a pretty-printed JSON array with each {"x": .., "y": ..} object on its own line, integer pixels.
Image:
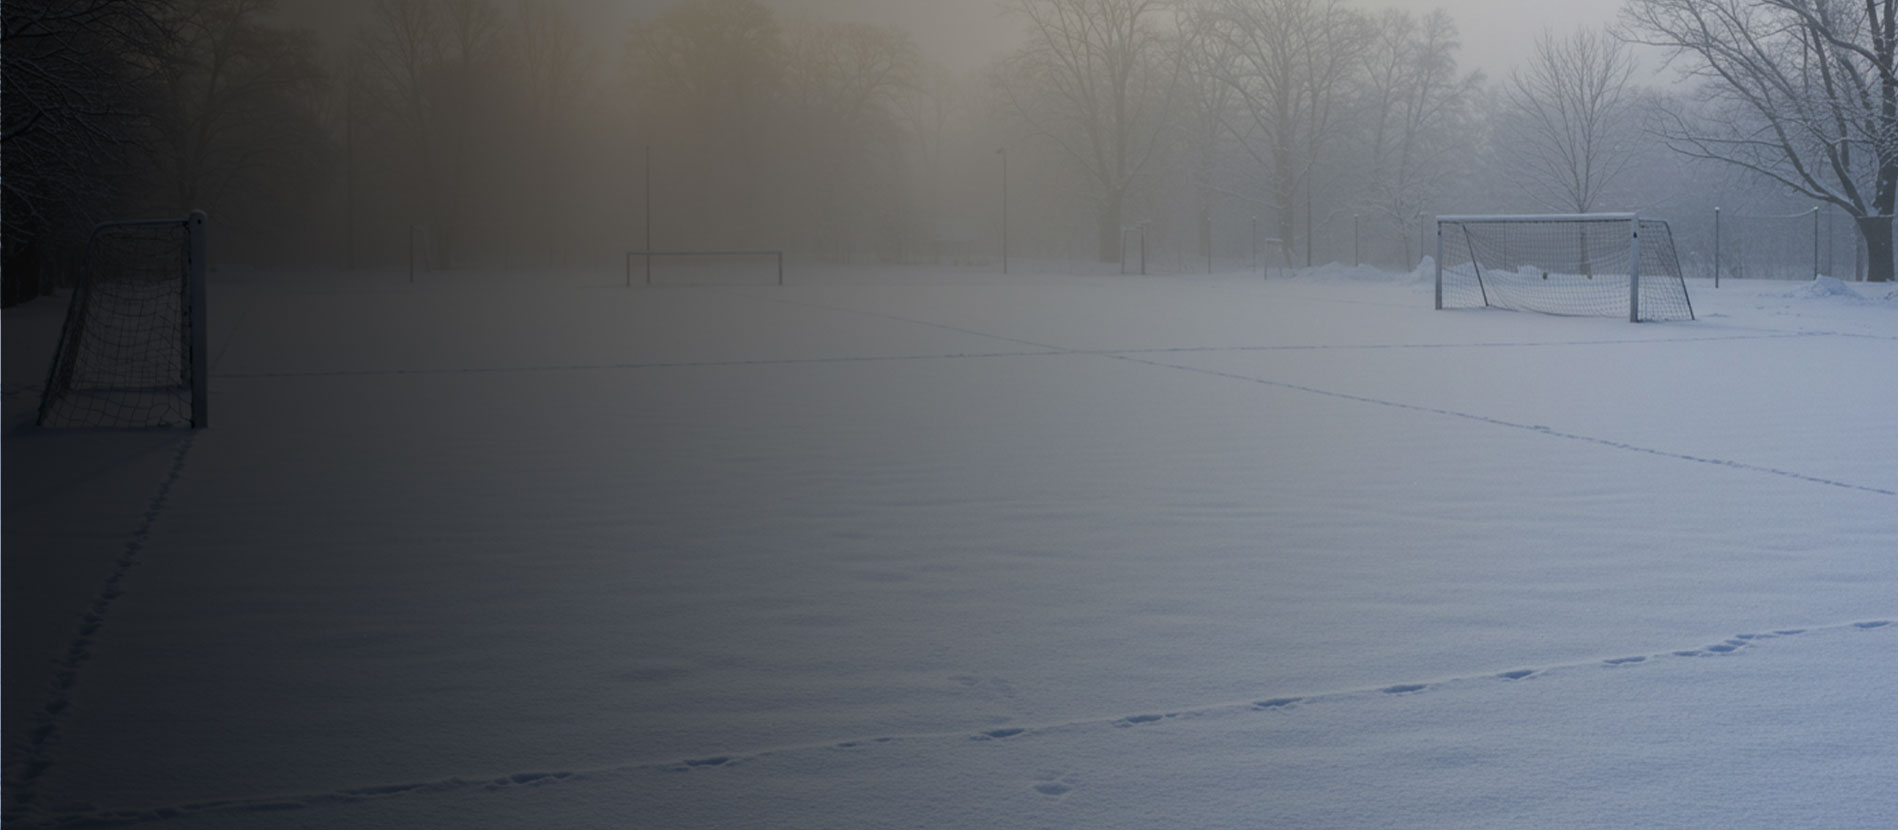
[
  {"x": 1536, "y": 217},
  {"x": 648, "y": 255}
]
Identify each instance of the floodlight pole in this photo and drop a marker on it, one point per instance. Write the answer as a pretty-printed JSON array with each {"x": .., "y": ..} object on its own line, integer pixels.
[
  {"x": 1716, "y": 246},
  {"x": 1003, "y": 151},
  {"x": 349, "y": 165},
  {"x": 1815, "y": 242},
  {"x": 1308, "y": 221},
  {"x": 1143, "y": 246},
  {"x": 1357, "y": 258},
  {"x": 648, "y": 216}
]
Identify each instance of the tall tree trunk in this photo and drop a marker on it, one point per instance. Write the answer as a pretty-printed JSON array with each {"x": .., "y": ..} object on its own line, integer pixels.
[{"x": 1878, "y": 249}]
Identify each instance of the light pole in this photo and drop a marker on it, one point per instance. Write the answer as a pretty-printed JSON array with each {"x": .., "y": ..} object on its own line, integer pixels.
[
  {"x": 1004, "y": 154},
  {"x": 1357, "y": 257},
  {"x": 1815, "y": 242},
  {"x": 648, "y": 176},
  {"x": 349, "y": 163},
  {"x": 1143, "y": 246}
]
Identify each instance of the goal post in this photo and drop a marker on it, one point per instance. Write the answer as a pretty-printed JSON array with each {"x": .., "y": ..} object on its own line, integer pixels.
[
  {"x": 701, "y": 256},
  {"x": 133, "y": 349},
  {"x": 1593, "y": 264}
]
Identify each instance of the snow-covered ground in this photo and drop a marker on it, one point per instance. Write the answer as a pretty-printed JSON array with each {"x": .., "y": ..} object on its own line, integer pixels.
[{"x": 929, "y": 548}]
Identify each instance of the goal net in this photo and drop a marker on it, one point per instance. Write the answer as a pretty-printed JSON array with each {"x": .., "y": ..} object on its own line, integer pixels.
[
  {"x": 132, "y": 353},
  {"x": 1594, "y": 265}
]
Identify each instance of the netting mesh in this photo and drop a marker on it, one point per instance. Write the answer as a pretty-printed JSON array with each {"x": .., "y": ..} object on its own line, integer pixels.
[
  {"x": 1568, "y": 266},
  {"x": 125, "y": 356}
]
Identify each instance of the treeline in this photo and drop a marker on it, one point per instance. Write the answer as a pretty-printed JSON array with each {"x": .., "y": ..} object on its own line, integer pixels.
[
  {"x": 517, "y": 133},
  {"x": 495, "y": 131}
]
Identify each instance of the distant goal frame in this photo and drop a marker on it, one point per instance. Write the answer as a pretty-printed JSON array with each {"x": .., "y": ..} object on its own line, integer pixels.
[
  {"x": 648, "y": 257},
  {"x": 1654, "y": 262}
]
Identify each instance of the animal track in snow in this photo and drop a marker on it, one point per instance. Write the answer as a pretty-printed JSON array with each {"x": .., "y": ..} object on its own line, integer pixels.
[{"x": 1054, "y": 785}]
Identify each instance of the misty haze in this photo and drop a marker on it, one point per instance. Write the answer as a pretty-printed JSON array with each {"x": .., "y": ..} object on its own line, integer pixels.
[{"x": 949, "y": 413}]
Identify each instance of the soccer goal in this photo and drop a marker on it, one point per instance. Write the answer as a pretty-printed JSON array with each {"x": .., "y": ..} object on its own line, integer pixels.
[
  {"x": 709, "y": 267},
  {"x": 1593, "y": 265},
  {"x": 132, "y": 353}
]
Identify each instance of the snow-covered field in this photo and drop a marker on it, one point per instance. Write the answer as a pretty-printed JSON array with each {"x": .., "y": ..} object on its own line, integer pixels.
[{"x": 927, "y": 548}]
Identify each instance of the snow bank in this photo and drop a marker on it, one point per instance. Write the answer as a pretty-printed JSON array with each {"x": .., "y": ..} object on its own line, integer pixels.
[{"x": 1825, "y": 288}]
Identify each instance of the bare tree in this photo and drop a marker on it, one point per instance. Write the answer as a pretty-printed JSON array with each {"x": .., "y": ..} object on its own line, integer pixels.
[
  {"x": 433, "y": 69},
  {"x": 1298, "y": 60},
  {"x": 1096, "y": 78},
  {"x": 1207, "y": 61},
  {"x": 234, "y": 101},
  {"x": 703, "y": 79},
  {"x": 1570, "y": 118},
  {"x": 1799, "y": 92},
  {"x": 74, "y": 116},
  {"x": 843, "y": 88},
  {"x": 1419, "y": 112},
  {"x": 554, "y": 72},
  {"x": 928, "y": 109}
]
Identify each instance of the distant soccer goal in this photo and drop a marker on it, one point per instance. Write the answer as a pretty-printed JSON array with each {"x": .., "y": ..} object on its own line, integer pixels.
[
  {"x": 708, "y": 267},
  {"x": 1274, "y": 254},
  {"x": 132, "y": 353},
  {"x": 1593, "y": 265}
]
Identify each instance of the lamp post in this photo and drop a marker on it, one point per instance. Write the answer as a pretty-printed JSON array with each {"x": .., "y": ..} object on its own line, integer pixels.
[
  {"x": 1003, "y": 151},
  {"x": 648, "y": 183},
  {"x": 1143, "y": 246}
]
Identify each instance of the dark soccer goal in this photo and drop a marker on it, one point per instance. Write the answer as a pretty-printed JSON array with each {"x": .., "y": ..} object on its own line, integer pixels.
[{"x": 132, "y": 353}]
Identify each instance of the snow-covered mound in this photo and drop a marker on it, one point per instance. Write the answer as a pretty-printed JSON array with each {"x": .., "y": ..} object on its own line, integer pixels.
[{"x": 1824, "y": 288}]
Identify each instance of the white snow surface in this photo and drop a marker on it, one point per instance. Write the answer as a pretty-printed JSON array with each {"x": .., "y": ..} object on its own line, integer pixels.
[{"x": 910, "y": 547}]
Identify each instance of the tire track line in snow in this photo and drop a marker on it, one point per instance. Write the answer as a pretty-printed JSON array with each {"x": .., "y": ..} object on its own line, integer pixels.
[
  {"x": 1352, "y": 347},
  {"x": 1044, "y": 351},
  {"x": 1538, "y": 428},
  {"x": 615, "y": 367},
  {"x": 1130, "y": 356},
  {"x": 24, "y": 772},
  {"x": 1763, "y": 335},
  {"x": 710, "y": 762}
]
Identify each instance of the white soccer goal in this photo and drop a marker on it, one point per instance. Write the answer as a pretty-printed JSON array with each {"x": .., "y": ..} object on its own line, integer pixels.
[
  {"x": 1595, "y": 264},
  {"x": 132, "y": 353},
  {"x": 1274, "y": 253}
]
